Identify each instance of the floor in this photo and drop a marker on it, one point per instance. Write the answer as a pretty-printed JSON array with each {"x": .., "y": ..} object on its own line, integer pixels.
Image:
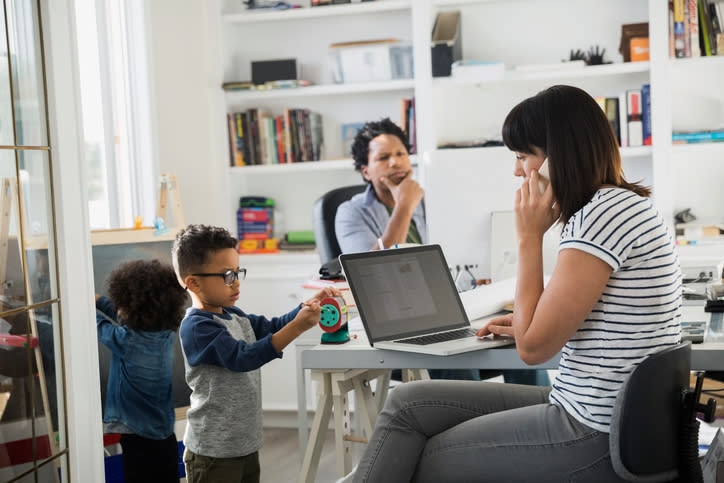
[{"x": 280, "y": 459}]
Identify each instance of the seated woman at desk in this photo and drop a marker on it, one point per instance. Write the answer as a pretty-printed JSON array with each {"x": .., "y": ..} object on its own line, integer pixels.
[{"x": 614, "y": 298}]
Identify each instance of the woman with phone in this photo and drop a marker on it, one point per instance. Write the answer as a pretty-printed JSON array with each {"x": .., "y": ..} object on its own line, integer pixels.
[{"x": 613, "y": 299}]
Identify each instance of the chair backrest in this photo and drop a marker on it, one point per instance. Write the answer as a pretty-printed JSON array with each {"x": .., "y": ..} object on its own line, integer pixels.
[
  {"x": 647, "y": 417},
  {"x": 325, "y": 209}
]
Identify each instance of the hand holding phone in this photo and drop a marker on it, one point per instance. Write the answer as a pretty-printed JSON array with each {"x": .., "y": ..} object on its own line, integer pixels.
[{"x": 543, "y": 176}]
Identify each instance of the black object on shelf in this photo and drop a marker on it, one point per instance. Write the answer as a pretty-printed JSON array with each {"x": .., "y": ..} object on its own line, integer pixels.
[
  {"x": 446, "y": 43},
  {"x": 273, "y": 70}
]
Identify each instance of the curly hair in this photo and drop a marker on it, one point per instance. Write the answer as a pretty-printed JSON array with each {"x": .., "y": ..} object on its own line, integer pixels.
[
  {"x": 147, "y": 295},
  {"x": 361, "y": 145},
  {"x": 194, "y": 244}
]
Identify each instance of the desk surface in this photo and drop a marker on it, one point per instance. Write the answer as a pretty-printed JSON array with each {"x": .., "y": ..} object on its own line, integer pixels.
[{"x": 357, "y": 354}]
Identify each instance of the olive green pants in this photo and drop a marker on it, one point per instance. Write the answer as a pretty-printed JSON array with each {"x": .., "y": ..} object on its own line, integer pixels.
[{"x": 206, "y": 469}]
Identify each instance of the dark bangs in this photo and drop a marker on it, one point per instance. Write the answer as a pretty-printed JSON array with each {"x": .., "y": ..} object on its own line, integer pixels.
[{"x": 524, "y": 127}]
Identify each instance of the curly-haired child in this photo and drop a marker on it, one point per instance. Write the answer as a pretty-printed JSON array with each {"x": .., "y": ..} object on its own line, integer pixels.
[{"x": 138, "y": 322}]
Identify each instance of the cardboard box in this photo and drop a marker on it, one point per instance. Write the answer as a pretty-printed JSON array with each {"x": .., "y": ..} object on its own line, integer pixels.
[{"x": 446, "y": 43}]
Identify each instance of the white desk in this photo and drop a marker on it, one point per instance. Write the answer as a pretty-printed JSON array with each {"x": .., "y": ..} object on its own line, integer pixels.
[{"x": 357, "y": 354}]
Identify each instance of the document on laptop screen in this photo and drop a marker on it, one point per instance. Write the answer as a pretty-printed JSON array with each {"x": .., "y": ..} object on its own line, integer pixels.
[
  {"x": 404, "y": 292},
  {"x": 399, "y": 288}
]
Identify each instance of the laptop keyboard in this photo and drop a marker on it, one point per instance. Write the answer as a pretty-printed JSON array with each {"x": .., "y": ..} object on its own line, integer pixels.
[{"x": 441, "y": 337}]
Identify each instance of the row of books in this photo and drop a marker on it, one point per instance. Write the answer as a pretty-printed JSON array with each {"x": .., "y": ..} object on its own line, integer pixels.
[
  {"x": 255, "y": 225},
  {"x": 630, "y": 116},
  {"x": 407, "y": 122},
  {"x": 696, "y": 28},
  {"x": 258, "y": 137}
]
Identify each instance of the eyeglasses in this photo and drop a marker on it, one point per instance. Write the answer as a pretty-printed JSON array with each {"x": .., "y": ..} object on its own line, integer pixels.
[{"x": 229, "y": 276}]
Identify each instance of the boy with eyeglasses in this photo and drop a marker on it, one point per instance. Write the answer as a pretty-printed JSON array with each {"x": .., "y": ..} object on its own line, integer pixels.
[{"x": 224, "y": 348}]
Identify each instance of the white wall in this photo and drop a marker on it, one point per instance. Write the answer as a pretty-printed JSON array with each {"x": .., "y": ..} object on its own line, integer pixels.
[{"x": 181, "y": 93}]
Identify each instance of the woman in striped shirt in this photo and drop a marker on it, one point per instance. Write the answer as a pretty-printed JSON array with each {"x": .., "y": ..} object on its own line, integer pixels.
[{"x": 613, "y": 299}]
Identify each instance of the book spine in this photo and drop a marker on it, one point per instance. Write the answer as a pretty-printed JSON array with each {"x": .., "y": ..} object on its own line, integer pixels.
[
  {"x": 289, "y": 155},
  {"x": 687, "y": 30},
  {"x": 623, "y": 120},
  {"x": 646, "y": 113},
  {"x": 672, "y": 49},
  {"x": 679, "y": 42},
  {"x": 698, "y": 136},
  {"x": 613, "y": 117},
  {"x": 694, "y": 28},
  {"x": 254, "y": 138},
  {"x": 635, "y": 127},
  {"x": 241, "y": 161},
  {"x": 280, "y": 139},
  {"x": 231, "y": 126},
  {"x": 307, "y": 136},
  {"x": 705, "y": 25}
]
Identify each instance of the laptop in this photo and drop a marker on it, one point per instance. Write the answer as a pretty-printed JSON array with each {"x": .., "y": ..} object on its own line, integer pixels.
[{"x": 407, "y": 301}]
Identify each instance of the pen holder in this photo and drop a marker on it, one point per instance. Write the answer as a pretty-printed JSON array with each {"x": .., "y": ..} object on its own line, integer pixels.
[{"x": 333, "y": 320}]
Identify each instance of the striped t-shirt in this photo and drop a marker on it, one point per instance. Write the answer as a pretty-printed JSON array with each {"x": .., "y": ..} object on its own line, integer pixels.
[{"x": 639, "y": 310}]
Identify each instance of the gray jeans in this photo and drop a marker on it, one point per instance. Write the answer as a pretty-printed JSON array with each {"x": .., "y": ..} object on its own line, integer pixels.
[{"x": 447, "y": 431}]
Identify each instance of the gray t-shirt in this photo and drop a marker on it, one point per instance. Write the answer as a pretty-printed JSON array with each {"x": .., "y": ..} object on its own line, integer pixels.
[{"x": 224, "y": 420}]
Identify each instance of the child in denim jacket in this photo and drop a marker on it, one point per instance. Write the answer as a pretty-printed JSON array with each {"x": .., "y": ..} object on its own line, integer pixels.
[{"x": 138, "y": 323}]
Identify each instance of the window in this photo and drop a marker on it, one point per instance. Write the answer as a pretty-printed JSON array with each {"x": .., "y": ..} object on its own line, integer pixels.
[{"x": 114, "y": 82}]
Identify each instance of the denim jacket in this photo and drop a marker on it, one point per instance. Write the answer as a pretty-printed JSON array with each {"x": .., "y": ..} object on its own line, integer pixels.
[{"x": 139, "y": 394}]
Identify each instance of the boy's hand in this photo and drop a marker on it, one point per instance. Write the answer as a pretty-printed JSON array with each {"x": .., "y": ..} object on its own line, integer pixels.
[
  {"x": 309, "y": 315},
  {"x": 322, "y": 294}
]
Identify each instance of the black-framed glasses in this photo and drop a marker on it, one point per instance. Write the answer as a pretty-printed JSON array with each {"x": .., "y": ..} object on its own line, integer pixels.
[{"x": 229, "y": 276}]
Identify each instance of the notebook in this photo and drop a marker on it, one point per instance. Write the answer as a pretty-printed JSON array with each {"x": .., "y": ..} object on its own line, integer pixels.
[{"x": 407, "y": 301}]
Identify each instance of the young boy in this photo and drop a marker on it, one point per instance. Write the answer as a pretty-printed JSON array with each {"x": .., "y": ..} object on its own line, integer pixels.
[{"x": 223, "y": 350}]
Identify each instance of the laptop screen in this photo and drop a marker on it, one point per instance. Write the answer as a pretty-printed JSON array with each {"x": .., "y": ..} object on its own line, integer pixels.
[{"x": 403, "y": 292}]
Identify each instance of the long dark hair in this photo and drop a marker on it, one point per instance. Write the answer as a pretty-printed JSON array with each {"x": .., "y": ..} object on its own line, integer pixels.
[{"x": 572, "y": 130}]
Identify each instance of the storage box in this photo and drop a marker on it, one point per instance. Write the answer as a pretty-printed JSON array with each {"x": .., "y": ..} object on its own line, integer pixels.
[
  {"x": 370, "y": 61},
  {"x": 446, "y": 43}
]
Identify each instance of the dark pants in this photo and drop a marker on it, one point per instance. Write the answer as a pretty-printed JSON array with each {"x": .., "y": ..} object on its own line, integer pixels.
[{"x": 149, "y": 460}]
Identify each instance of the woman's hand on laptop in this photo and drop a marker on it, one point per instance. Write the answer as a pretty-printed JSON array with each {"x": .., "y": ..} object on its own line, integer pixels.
[{"x": 498, "y": 326}]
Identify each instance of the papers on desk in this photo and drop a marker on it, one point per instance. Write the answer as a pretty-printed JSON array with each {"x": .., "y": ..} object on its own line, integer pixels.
[{"x": 488, "y": 299}]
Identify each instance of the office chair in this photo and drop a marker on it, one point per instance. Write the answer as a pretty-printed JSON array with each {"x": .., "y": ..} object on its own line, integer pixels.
[
  {"x": 325, "y": 209},
  {"x": 654, "y": 433}
]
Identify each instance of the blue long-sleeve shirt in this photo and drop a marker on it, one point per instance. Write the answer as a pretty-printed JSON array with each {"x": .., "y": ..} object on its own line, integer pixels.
[{"x": 223, "y": 354}]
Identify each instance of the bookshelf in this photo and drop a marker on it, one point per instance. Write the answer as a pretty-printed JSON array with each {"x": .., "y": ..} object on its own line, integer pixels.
[{"x": 510, "y": 31}]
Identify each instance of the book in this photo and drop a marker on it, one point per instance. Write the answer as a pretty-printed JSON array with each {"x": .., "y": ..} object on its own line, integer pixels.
[
  {"x": 646, "y": 113},
  {"x": 705, "y": 27},
  {"x": 679, "y": 42},
  {"x": 694, "y": 28},
  {"x": 613, "y": 116},
  {"x": 635, "y": 127},
  {"x": 693, "y": 137},
  {"x": 622, "y": 120}
]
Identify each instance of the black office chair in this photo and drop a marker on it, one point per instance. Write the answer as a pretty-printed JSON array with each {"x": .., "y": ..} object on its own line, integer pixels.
[
  {"x": 325, "y": 209},
  {"x": 654, "y": 436}
]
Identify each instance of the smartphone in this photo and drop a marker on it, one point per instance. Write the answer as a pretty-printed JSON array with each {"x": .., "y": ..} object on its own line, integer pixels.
[{"x": 543, "y": 176}]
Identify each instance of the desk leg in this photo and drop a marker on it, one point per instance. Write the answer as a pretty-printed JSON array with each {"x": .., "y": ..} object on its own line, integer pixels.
[
  {"x": 301, "y": 404},
  {"x": 383, "y": 387},
  {"x": 319, "y": 428},
  {"x": 342, "y": 446},
  {"x": 366, "y": 404}
]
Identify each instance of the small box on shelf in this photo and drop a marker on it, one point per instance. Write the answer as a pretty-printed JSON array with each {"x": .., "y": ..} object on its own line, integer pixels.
[{"x": 446, "y": 43}]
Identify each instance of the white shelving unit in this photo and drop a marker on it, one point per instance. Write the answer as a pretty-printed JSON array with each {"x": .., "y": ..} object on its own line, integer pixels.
[{"x": 515, "y": 32}]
